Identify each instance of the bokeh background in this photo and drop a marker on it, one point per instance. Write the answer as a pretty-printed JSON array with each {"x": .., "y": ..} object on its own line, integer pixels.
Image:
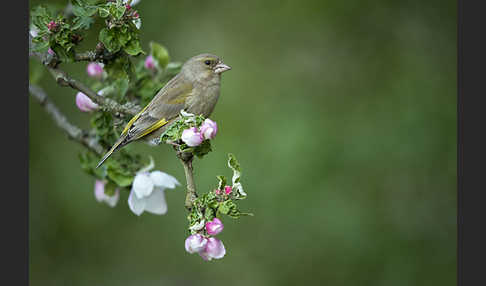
[{"x": 343, "y": 117}]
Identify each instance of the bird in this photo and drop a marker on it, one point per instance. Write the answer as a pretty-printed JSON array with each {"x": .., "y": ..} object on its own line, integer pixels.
[{"x": 195, "y": 89}]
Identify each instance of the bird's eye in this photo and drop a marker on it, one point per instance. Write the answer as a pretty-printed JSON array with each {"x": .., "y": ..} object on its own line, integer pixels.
[{"x": 208, "y": 62}]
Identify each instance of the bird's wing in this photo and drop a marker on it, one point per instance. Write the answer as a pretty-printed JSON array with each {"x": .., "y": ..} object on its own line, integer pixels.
[{"x": 166, "y": 105}]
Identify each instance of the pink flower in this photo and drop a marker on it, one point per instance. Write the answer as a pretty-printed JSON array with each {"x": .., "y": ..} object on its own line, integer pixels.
[
  {"x": 84, "y": 103},
  {"x": 51, "y": 52},
  {"x": 192, "y": 137},
  {"x": 52, "y": 26},
  {"x": 209, "y": 129},
  {"x": 150, "y": 62},
  {"x": 99, "y": 191},
  {"x": 217, "y": 192},
  {"x": 135, "y": 14},
  {"x": 227, "y": 190},
  {"x": 214, "y": 227},
  {"x": 94, "y": 70},
  {"x": 195, "y": 243},
  {"x": 214, "y": 249}
]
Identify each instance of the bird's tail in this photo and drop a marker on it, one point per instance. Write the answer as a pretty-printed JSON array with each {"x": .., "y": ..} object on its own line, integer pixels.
[{"x": 118, "y": 144}]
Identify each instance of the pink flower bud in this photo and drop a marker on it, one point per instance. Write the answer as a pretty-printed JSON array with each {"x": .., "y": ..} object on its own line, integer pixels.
[
  {"x": 195, "y": 243},
  {"x": 150, "y": 62},
  {"x": 209, "y": 129},
  {"x": 135, "y": 15},
  {"x": 128, "y": 7},
  {"x": 94, "y": 70},
  {"x": 100, "y": 195},
  {"x": 217, "y": 192},
  {"x": 214, "y": 249},
  {"x": 84, "y": 103},
  {"x": 51, "y": 52},
  {"x": 227, "y": 190},
  {"x": 51, "y": 26},
  {"x": 192, "y": 137},
  {"x": 214, "y": 227}
]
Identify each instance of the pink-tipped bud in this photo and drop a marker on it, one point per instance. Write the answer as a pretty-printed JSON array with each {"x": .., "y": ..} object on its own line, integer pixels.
[
  {"x": 52, "y": 26},
  {"x": 51, "y": 52},
  {"x": 192, "y": 137},
  {"x": 217, "y": 192},
  {"x": 135, "y": 15},
  {"x": 150, "y": 63},
  {"x": 195, "y": 243},
  {"x": 214, "y": 249},
  {"x": 94, "y": 70},
  {"x": 100, "y": 195},
  {"x": 128, "y": 7},
  {"x": 209, "y": 129},
  {"x": 228, "y": 190},
  {"x": 214, "y": 227},
  {"x": 84, "y": 103}
]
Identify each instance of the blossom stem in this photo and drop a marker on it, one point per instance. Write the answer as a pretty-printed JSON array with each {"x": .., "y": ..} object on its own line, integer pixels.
[{"x": 191, "y": 195}]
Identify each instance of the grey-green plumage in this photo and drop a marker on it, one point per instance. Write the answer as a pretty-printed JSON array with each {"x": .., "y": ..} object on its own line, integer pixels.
[{"x": 194, "y": 89}]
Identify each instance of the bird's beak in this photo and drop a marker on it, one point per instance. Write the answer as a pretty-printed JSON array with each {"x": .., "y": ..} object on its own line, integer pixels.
[{"x": 221, "y": 67}]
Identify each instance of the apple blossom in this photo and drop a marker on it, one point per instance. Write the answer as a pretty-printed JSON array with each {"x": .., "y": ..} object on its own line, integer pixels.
[
  {"x": 214, "y": 227},
  {"x": 214, "y": 249},
  {"x": 209, "y": 129},
  {"x": 149, "y": 62},
  {"x": 195, "y": 243},
  {"x": 94, "y": 70},
  {"x": 84, "y": 103},
  {"x": 192, "y": 137},
  {"x": 99, "y": 191},
  {"x": 147, "y": 193}
]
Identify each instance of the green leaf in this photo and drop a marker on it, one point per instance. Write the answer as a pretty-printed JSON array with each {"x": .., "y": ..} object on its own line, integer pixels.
[
  {"x": 222, "y": 182},
  {"x": 203, "y": 149},
  {"x": 82, "y": 22},
  {"x": 133, "y": 47},
  {"x": 109, "y": 40},
  {"x": 110, "y": 188},
  {"x": 122, "y": 177},
  {"x": 235, "y": 166},
  {"x": 103, "y": 12},
  {"x": 160, "y": 53}
]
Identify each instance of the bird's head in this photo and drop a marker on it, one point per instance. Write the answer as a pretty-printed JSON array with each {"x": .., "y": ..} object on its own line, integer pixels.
[{"x": 205, "y": 67}]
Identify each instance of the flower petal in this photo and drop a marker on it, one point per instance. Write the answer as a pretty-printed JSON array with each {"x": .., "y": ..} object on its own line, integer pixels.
[
  {"x": 136, "y": 205},
  {"x": 142, "y": 185},
  {"x": 215, "y": 248},
  {"x": 113, "y": 200},
  {"x": 99, "y": 190},
  {"x": 161, "y": 179},
  {"x": 155, "y": 203}
]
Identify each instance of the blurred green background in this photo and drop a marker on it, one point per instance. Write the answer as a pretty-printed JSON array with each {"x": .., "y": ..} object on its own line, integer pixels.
[{"x": 343, "y": 117}]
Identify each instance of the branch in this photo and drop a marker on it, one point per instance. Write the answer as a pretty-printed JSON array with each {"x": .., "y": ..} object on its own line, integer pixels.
[
  {"x": 191, "y": 195},
  {"x": 63, "y": 79},
  {"x": 106, "y": 103},
  {"x": 73, "y": 132}
]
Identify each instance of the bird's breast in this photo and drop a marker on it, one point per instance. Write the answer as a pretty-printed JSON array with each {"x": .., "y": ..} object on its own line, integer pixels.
[{"x": 203, "y": 100}]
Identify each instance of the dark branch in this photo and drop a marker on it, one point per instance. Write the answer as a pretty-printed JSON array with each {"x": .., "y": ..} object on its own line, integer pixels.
[{"x": 73, "y": 132}]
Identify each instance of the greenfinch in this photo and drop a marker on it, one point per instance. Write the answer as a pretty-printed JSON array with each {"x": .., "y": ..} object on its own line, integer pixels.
[{"x": 195, "y": 89}]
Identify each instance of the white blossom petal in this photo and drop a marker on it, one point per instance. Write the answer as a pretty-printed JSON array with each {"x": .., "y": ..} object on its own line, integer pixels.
[
  {"x": 136, "y": 205},
  {"x": 164, "y": 180},
  {"x": 142, "y": 185},
  {"x": 155, "y": 203},
  {"x": 113, "y": 200}
]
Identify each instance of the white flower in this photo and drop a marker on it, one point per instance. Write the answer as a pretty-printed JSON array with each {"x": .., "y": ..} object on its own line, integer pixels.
[
  {"x": 209, "y": 129},
  {"x": 133, "y": 3},
  {"x": 147, "y": 192},
  {"x": 99, "y": 191},
  {"x": 34, "y": 31},
  {"x": 214, "y": 249}
]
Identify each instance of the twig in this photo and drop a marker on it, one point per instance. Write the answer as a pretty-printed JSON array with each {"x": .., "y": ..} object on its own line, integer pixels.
[
  {"x": 63, "y": 79},
  {"x": 73, "y": 132},
  {"x": 106, "y": 103},
  {"x": 191, "y": 195}
]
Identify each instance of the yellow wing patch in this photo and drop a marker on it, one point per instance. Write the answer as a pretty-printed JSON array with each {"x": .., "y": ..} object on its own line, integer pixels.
[
  {"x": 154, "y": 126},
  {"x": 129, "y": 124}
]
